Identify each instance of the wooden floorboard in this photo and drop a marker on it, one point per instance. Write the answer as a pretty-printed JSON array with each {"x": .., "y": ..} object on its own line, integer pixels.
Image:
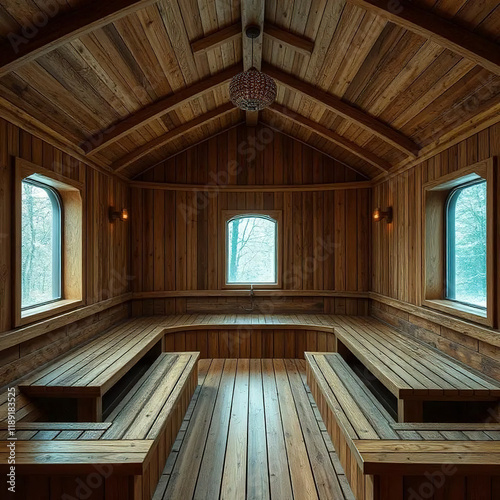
[{"x": 253, "y": 431}]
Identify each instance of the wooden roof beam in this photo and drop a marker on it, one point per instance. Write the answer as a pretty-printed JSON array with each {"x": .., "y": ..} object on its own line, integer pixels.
[
  {"x": 346, "y": 110},
  {"x": 153, "y": 145},
  {"x": 330, "y": 135},
  {"x": 296, "y": 42},
  {"x": 252, "y": 13},
  {"x": 216, "y": 39},
  {"x": 459, "y": 40},
  {"x": 20, "y": 48},
  {"x": 230, "y": 33},
  {"x": 108, "y": 136}
]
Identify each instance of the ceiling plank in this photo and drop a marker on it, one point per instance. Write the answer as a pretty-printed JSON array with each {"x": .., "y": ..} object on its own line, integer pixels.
[
  {"x": 252, "y": 13},
  {"x": 330, "y": 135},
  {"x": 346, "y": 110},
  {"x": 145, "y": 115},
  {"x": 216, "y": 39},
  {"x": 451, "y": 36},
  {"x": 187, "y": 148},
  {"x": 164, "y": 139},
  {"x": 61, "y": 29},
  {"x": 296, "y": 42}
]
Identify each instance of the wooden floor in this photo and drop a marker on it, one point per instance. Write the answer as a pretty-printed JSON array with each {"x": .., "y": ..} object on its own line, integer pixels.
[{"x": 253, "y": 431}]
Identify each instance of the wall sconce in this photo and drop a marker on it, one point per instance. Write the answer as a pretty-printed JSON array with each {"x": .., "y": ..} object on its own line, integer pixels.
[
  {"x": 379, "y": 214},
  {"x": 118, "y": 214}
]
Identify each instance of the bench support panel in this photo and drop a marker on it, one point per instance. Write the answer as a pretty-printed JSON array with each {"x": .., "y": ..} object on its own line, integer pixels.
[
  {"x": 89, "y": 410},
  {"x": 410, "y": 410}
]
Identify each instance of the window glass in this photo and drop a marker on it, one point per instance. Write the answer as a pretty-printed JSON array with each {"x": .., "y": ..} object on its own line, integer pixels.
[
  {"x": 41, "y": 245},
  {"x": 466, "y": 262},
  {"x": 251, "y": 250}
]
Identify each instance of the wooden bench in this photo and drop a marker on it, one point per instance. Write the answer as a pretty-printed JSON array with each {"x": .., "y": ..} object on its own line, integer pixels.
[
  {"x": 128, "y": 453},
  {"x": 377, "y": 452},
  {"x": 88, "y": 372},
  {"x": 412, "y": 371}
]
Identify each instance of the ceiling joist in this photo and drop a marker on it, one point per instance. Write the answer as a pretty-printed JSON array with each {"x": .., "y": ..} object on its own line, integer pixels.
[
  {"x": 441, "y": 31},
  {"x": 20, "y": 49},
  {"x": 157, "y": 143},
  {"x": 328, "y": 134},
  {"x": 106, "y": 137},
  {"x": 347, "y": 111},
  {"x": 296, "y": 42},
  {"x": 229, "y": 34},
  {"x": 216, "y": 39}
]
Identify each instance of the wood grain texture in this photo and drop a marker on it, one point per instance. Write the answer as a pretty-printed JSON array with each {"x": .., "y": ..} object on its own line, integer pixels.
[
  {"x": 104, "y": 255},
  {"x": 130, "y": 60},
  {"x": 176, "y": 233},
  {"x": 447, "y": 34},
  {"x": 397, "y": 262}
]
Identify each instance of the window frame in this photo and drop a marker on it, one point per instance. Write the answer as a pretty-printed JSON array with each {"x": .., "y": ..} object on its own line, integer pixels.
[
  {"x": 451, "y": 202},
  {"x": 71, "y": 195},
  {"x": 435, "y": 195},
  {"x": 225, "y": 218},
  {"x": 57, "y": 218}
]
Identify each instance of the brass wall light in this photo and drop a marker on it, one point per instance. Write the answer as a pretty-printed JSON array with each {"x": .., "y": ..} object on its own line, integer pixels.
[
  {"x": 379, "y": 214},
  {"x": 115, "y": 214}
]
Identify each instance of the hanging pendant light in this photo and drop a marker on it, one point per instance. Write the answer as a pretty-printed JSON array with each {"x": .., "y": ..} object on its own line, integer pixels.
[{"x": 252, "y": 90}]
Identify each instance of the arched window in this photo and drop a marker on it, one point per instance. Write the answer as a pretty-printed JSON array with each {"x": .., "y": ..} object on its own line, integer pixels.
[
  {"x": 252, "y": 250},
  {"x": 41, "y": 244},
  {"x": 466, "y": 260}
]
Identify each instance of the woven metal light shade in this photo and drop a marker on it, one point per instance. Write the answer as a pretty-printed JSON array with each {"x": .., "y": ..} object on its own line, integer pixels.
[{"x": 252, "y": 90}]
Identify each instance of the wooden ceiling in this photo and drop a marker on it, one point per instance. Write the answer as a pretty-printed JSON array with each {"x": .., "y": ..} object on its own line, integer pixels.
[{"x": 129, "y": 83}]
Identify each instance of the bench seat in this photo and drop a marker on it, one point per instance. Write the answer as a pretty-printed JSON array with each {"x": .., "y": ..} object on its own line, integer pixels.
[
  {"x": 377, "y": 452},
  {"x": 135, "y": 442},
  {"x": 144, "y": 413},
  {"x": 411, "y": 370}
]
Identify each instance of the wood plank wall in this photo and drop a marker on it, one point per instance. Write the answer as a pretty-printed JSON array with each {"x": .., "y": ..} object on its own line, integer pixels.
[
  {"x": 175, "y": 233},
  {"x": 396, "y": 257},
  {"x": 106, "y": 260}
]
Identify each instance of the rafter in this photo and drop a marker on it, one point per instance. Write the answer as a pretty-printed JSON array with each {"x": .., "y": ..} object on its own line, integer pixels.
[
  {"x": 252, "y": 13},
  {"x": 21, "y": 48},
  {"x": 291, "y": 40},
  {"x": 216, "y": 39},
  {"x": 153, "y": 145},
  {"x": 230, "y": 33},
  {"x": 145, "y": 115},
  {"x": 445, "y": 33},
  {"x": 330, "y": 135},
  {"x": 347, "y": 111}
]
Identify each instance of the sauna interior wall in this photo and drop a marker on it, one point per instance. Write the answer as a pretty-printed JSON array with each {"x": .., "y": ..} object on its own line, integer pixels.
[
  {"x": 106, "y": 262},
  {"x": 175, "y": 233},
  {"x": 396, "y": 257}
]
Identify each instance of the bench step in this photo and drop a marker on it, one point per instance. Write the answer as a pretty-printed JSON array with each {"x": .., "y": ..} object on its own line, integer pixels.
[
  {"x": 351, "y": 401},
  {"x": 143, "y": 413}
]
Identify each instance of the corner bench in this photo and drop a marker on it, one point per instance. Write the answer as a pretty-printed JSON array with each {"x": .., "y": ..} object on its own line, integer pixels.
[
  {"x": 127, "y": 453},
  {"x": 412, "y": 371},
  {"x": 88, "y": 372},
  {"x": 387, "y": 460}
]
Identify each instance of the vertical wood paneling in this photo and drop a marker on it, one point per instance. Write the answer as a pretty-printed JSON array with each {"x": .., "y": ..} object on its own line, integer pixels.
[
  {"x": 106, "y": 247},
  {"x": 396, "y": 248},
  {"x": 325, "y": 234}
]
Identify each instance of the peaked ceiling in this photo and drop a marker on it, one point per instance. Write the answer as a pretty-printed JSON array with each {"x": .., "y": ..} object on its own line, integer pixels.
[{"x": 129, "y": 83}]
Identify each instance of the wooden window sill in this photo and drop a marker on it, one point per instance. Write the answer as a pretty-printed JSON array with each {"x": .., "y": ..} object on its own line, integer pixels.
[
  {"x": 460, "y": 310},
  {"x": 47, "y": 310}
]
